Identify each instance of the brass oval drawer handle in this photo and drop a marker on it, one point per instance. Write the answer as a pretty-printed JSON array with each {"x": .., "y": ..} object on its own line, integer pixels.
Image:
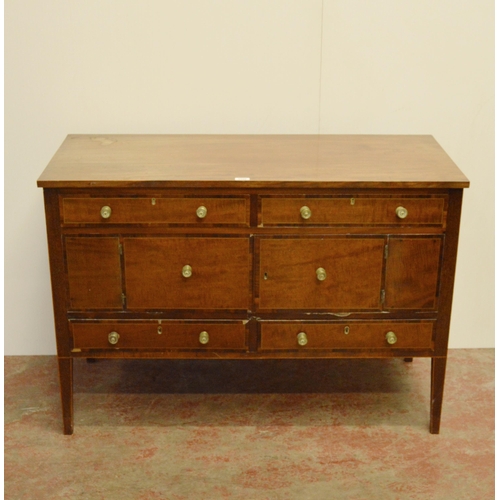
[
  {"x": 113, "y": 338},
  {"x": 106, "y": 212},
  {"x": 391, "y": 338},
  {"x": 201, "y": 212},
  {"x": 187, "y": 271},
  {"x": 321, "y": 274},
  {"x": 204, "y": 338},
  {"x": 401, "y": 212},
  {"x": 305, "y": 213},
  {"x": 302, "y": 338}
]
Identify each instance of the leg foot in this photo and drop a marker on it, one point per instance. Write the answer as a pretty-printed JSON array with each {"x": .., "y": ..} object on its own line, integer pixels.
[
  {"x": 66, "y": 383},
  {"x": 438, "y": 369}
]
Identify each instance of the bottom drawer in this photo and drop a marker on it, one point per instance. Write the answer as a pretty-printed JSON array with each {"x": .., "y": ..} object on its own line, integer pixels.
[
  {"x": 156, "y": 335},
  {"x": 275, "y": 336}
]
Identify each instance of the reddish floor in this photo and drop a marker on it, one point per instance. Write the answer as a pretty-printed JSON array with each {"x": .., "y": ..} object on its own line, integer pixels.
[{"x": 236, "y": 430}]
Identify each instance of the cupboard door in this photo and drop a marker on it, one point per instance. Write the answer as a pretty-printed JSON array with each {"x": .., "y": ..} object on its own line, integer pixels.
[
  {"x": 320, "y": 273},
  {"x": 187, "y": 273},
  {"x": 94, "y": 273},
  {"x": 412, "y": 274}
]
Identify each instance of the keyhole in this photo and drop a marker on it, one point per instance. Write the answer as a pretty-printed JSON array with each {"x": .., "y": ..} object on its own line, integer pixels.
[{"x": 265, "y": 276}]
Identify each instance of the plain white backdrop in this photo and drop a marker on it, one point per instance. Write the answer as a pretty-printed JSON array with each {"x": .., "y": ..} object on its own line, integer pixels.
[{"x": 235, "y": 66}]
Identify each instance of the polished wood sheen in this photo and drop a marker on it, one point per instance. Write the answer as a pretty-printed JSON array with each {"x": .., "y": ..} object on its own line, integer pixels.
[
  {"x": 412, "y": 273},
  {"x": 359, "y": 211},
  {"x": 346, "y": 335},
  {"x": 158, "y": 335},
  {"x": 255, "y": 160},
  {"x": 200, "y": 246},
  {"x": 94, "y": 273},
  {"x": 288, "y": 273},
  {"x": 220, "y": 276},
  {"x": 171, "y": 210}
]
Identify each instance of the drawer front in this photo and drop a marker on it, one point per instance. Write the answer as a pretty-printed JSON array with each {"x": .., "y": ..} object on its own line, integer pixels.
[
  {"x": 320, "y": 273},
  {"x": 156, "y": 335},
  {"x": 187, "y": 273},
  {"x": 348, "y": 211},
  {"x": 197, "y": 211},
  {"x": 276, "y": 336}
]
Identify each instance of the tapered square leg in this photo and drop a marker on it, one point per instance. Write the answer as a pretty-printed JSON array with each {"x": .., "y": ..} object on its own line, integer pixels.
[
  {"x": 438, "y": 369},
  {"x": 66, "y": 384}
]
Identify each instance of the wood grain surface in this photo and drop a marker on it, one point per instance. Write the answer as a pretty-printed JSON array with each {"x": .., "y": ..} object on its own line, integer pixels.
[
  {"x": 259, "y": 273},
  {"x": 361, "y": 335},
  {"x": 360, "y": 211},
  {"x": 221, "y": 269},
  {"x": 94, "y": 273},
  {"x": 279, "y": 160},
  {"x": 157, "y": 335},
  {"x": 288, "y": 273},
  {"x": 412, "y": 273},
  {"x": 159, "y": 210}
]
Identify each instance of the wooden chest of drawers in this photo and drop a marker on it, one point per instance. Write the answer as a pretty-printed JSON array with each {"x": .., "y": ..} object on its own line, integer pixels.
[{"x": 252, "y": 247}]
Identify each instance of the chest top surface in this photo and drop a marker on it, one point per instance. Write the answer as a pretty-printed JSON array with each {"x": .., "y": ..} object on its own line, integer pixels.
[{"x": 253, "y": 161}]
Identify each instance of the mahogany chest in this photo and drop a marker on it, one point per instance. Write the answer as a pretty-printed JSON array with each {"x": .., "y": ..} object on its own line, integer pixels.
[{"x": 252, "y": 246}]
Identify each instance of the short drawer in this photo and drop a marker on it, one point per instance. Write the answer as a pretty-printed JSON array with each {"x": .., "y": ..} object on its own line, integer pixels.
[
  {"x": 156, "y": 335},
  {"x": 168, "y": 210},
  {"x": 276, "y": 336},
  {"x": 280, "y": 211}
]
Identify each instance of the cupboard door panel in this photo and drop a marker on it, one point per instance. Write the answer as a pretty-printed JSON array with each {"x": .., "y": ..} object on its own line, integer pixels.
[
  {"x": 412, "y": 273},
  {"x": 216, "y": 273},
  {"x": 94, "y": 273},
  {"x": 291, "y": 272}
]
